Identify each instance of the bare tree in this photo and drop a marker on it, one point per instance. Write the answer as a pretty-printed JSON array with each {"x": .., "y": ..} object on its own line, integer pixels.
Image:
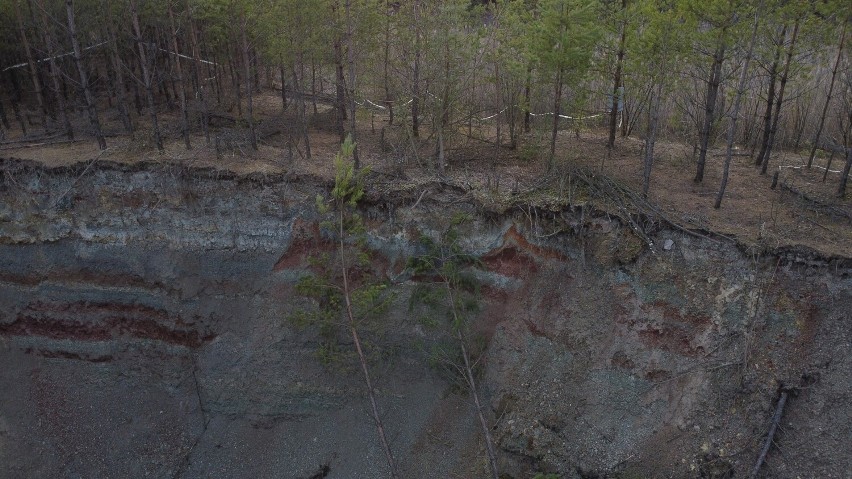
[
  {"x": 828, "y": 98},
  {"x": 55, "y": 74},
  {"x": 710, "y": 105},
  {"x": 249, "y": 88},
  {"x": 770, "y": 95},
  {"x": 784, "y": 76},
  {"x": 31, "y": 63},
  {"x": 91, "y": 107},
  {"x": 180, "y": 85},
  {"x": 616, "y": 81},
  {"x": 732, "y": 127}
]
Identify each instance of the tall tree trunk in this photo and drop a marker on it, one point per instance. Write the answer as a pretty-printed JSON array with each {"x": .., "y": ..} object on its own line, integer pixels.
[
  {"x": 710, "y": 106},
  {"x": 844, "y": 176},
  {"x": 828, "y": 98},
  {"x": 445, "y": 110},
  {"x": 770, "y": 96},
  {"x": 498, "y": 97},
  {"x": 3, "y": 118},
  {"x": 235, "y": 81},
  {"x": 613, "y": 115},
  {"x": 527, "y": 99},
  {"x": 847, "y": 143},
  {"x": 31, "y": 63},
  {"x": 361, "y": 357},
  {"x": 386, "y": 62},
  {"x": 249, "y": 86},
  {"x": 340, "y": 89},
  {"x": 471, "y": 382},
  {"x": 732, "y": 127},
  {"x": 17, "y": 100},
  {"x": 283, "y": 86},
  {"x": 55, "y": 75},
  {"x": 784, "y": 75},
  {"x": 118, "y": 68},
  {"x": 137, "y": 98},
  {"x": 415, "y": 99},
  {"x": 84, "y": 80},
  {"x": 350, "y": 59},
  {"x": 199, "y": 83},
  {"x": 651, "y": 139},
  {"x": 146, "y": 75},
  {"x": 180, "y": 85},
  {"x": 557, "y": 103},
  {"x": 313, "y": 83},
  {"x": 301, "y": 108}
]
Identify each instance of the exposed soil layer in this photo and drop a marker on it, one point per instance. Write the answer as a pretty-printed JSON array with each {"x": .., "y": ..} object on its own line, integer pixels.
[{"x": 144, "y": 324}]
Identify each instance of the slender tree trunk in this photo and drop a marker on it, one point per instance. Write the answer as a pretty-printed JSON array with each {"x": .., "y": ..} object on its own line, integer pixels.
[
  {"x": 828, "y": 165},
  {"x": 498, "y": 97},
  {"x": 613, "y": 115},
  {"x": 650, "y": 141},
  {"x": 557, "y": 103},
  {"x": 16, "y": 101},
  {"x": 118, "y": 68},
  {"x": 256, "y": 67},
  {"x": 784, "y": 75},
  {"x": 844, "y": 175},
  {"x": 84, "y": 81},
  {"x": 313, "y": 83},
  {"x": 235, "y": 81},
  {"x": 750, "y": 129},
  {"x": 3, "y": 118},
  {"x": 137, "y": 98},
  {"x": 340, "y": 90},
  {"x": 828, "y": 98},
  {"x": 415, "y": 100},
  {"x": 112, "y": 90},
  {"x": 350, "y": 59},
  {"x": 386, "y": 77},
  {"x": 732, "y": 127},
  {"x": 303, "y": 117},
  {"x": 31, "y": 63},
  {"x": 249, "y": 86},
  {"x": 710, "y": 107},
  {"x": 361, "y": 357},
  {"x": 146, "y": 75},
  {"x": 770, "y": 96},
  {"x": 181, "y": 87},
  {"x": 527, "y": 99},
  {"x": 170, "y": 65},
  {"x": 847, "y": 143},
  {"x": 445, "y": 110},
  {"x": 55, "y": 74},
  {"x": 283, "y": 86},
  {"x": 160, "y": 82},
  {"x": 199, "y": 84},
  {"x": 474, "y": 391}
]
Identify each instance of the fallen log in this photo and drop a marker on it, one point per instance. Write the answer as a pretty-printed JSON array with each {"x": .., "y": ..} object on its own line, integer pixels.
[{"x": 776, "y": 420}]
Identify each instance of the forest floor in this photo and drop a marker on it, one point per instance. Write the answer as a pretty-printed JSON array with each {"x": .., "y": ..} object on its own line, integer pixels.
[{"x": 803, "y": 211}]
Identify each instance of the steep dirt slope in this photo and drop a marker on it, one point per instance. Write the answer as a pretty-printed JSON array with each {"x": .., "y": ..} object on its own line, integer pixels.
[{"x": 143, "y": 325}]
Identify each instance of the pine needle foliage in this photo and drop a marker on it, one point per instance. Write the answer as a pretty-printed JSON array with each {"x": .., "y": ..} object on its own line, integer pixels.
[{"x": 369, "y": 294}]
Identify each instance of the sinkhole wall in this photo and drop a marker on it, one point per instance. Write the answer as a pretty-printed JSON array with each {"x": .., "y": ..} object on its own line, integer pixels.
[{"x": 144, "y": 333}]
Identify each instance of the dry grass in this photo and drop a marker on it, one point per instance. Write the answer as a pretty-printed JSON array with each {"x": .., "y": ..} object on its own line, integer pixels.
[{"x": 752, "y": 212}]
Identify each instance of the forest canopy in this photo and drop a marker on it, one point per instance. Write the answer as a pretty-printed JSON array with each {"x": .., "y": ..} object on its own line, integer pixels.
[{"x": 755, "y": 76}]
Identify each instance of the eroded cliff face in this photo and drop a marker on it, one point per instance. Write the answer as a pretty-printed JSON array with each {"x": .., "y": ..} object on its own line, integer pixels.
[{"x": 144, "y": 333}]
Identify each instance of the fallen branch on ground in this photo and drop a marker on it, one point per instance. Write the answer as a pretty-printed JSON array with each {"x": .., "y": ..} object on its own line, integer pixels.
[{"x": 776, "y": 420}]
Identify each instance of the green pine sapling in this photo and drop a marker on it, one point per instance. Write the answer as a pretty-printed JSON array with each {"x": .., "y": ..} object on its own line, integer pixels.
[
  {"x": 342, "y": 282},
  {"x": 452, "y": 294}
]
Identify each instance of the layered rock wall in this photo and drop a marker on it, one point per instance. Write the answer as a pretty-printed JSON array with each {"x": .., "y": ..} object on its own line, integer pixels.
[{"x": 144, "y": 332}]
